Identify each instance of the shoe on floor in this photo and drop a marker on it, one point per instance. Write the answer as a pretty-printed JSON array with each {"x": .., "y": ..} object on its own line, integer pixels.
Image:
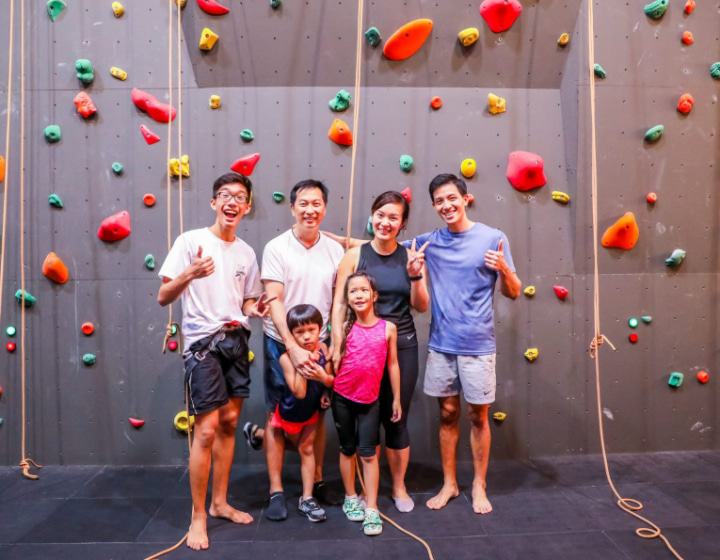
[
  {"x": 310, "y": 509},
  {"x": 326, "y": 495},
  {"x": 372, "y": 525},
  {"x": 277, "y": 510},
  {"x": 353, "y": 510},
  {"x": 250, "y": 429},
  {"x": 404, "y": 505}
]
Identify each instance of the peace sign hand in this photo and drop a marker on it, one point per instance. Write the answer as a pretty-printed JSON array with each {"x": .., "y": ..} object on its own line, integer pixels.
[
  {"x": 261, "y": 307},
  {"x": 416, "y": 259}
]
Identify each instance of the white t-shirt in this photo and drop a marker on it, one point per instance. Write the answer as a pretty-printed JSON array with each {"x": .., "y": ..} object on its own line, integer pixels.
[
  {"x": 308, "y": 275},
  {"x": 208, "y": 303}
]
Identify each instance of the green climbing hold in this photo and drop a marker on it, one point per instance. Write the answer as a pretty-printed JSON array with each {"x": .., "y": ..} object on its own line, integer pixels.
[
  {"x": 647, "y": 319},
  {"x": 84, "y": 70},
  {"x": 89, "y": 359},
  {"x": 406, "y": 163},
  {"x": 675, "y": 258},
  {"x": 55, "y": 201},
  {"x": 657, "y": 9},
  {"x": 275, "y": 4},
  {"x": 676, "y": 379},
  {"x": 369, "y": 226},
  {"x": 373, "y": 36},
  {"x": 247, "y": 135},
  {"x": 654, "y": 133},
  {"x": 117, "y": 168},
  {"x": 278, "y": 197},
  {"x": 633, "y": 323},
  {"x": 52, "y": 133},
  {"x": 1, "y": 421},
  {"x": 11, "y": 331},
  {"x": 340, "y": 102},
  {"x": 173, "y": 329},
  {"x": 54, "y": 7},
  {"x": 600, "y": 71},
  {"x": 715, "y": 71},
  {"x": 29, "y": 298},
  {"x": 150, "y": 262}
]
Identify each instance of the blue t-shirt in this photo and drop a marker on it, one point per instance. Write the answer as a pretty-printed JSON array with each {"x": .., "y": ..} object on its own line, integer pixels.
[{"x": 462, "y": 288}]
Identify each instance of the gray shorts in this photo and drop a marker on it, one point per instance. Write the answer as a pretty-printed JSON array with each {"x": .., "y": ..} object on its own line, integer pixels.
[{"x": 447, "y": 374}]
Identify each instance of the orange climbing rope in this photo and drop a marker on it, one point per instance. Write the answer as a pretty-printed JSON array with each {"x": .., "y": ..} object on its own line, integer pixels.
[{"x": 628, "y": 505}]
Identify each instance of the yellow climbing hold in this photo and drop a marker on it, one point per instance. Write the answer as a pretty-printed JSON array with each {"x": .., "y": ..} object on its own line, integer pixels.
[
  {"x": 499, "y": 416},
  {"x": 564, "y": 39},
  {"x": 185, "y": 166},
  {"x": 116, "y": 72},
  {"x": 207, "y": 39},
  {"x": 214, "y": 101},
  {"x": 531, "y": 354},
  {"x": 529, "y": 291},
  {"x": 495, "y": 104},
  {"x": 181, "y": 422},
  {"x": 118, "y": 9},
  {"x": 469, "y": 36},
  {"x": 560, "y": 196},
  {"x": 467, "y": 168},
  {"x": 175, "y": 166},
  {"x": 251, "y": 355}
]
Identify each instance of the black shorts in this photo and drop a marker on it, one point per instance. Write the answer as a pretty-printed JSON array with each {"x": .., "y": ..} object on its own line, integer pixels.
[
  {"x": 223, "y": 373},
  {"x": 357, "y": 426}
]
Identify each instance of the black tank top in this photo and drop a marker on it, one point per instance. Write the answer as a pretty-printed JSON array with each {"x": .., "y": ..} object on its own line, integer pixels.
[
  {"x": 293, "y": 409},
  {"x": 393, "y": 282}
]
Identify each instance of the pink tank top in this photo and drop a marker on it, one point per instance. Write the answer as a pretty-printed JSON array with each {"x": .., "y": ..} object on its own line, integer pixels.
[{"x": 363, "y": 365}]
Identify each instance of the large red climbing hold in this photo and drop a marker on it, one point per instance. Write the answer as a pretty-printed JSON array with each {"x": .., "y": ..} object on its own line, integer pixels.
[
  {"x": 407, "y": 194},
  {"x": 561, "y": 292},
  {"x": 55, "y": 269},
  {"x": 246, "y": 164},
  {"x": 211, "y": 7},
  {"x": 115, "y": 227},
  {"x": 84, "y": 104},
  {"x": 525, "y": 171},
  {"x": 407, "y": 40},
  {"x": 149, "y": 135},
  {"x": 160, "y": 112},
  {"x": 136, "y": 422},
  {"x": 500, "y": 14},
  {"x": 623, "y": 234}
]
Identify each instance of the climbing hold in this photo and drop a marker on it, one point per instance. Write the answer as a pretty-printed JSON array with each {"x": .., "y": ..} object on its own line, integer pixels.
[
  {"x": 340, "y": 102},
  {"x": 406, "y": 163},
  {"x": 525, "y": 171},
  {"x": 55, "y": 201},
  {"x": 181, "y": 3},
  {"x": 495, "y": 104},
  {"x": 652, "y": 198},
  {"x": 2, "y": 169},
  {"x": 470, "y": 199},
  {"x": 207, "y": 39},
  {"x": 633, "y": 322},
  {"x": 89, "y": 359},
  {"x": 116, "y": 72},
  {"x": 136, "y": 422},
  {"x": 564, "y": 39},
  {"x": 54, "y": 7},
  {"x": 118, "y": 9},
  {"x": 436, "y": 103},
  {"x": 599, "y": 71},
  {"x": 531, "y": 354},
  {"x": 87, "y": 328},
  {"x": 29, "y": 298},
  {"x": 247, "y": 135},
  {"x": 703, "y": 376},
  {"x": 10, "y": 346},
  {"x": 181, "y": 421},
  {"x": 278, "y": 196},
  {"x": 468, "y": 36},
  {"x": 275, "y": 4},
  {"x": 246, "y": 164},
  {"x": 687, "y": 38},
  {"x": 654, "y": 133},
  {"x": 715, "y": 71},
  {"x": 176, "y": 167},
  {"x": 560, "y": 196},
  {"x": 499, "y": 416},
  {"x": 407, "y": 40},
  {"x": 52, "y": 133},
  {"x": 84, "y": 70},
  {"x": 657, "y": 9},
  {"x": 10, "y": 331},
  {"x": 149, "y": 200},
  {"x": 173, "y": 330},
  {"x": 677, "y": 257},
  {"x": 369, "y": 227},
  {"x": 55, "y": 269},
  {"x": 117, "y": 168},
  {"x": 467, "y": 167},
  {"x": 633, "y": 337},
  {"x": 149, "y": 135},
  {"x": 407, "y": 194},
  {"x": 172, "y": 346},
  {"x": 211, "y": 7},
  {"x": 84, "y": 104},
  {"x": 623, "y": 234},
  {"x": 160, "y": 112},
  {"x": 647, "y": 319},
  {"x": 686, "y": 102},
  {"x": 373, "y": 36},
  {"x": 676, "y": 379},
  {"x": 500, "y": 14},
  {"x": 561, "y": 292},
  {"x": 150, "y": 262},
  {"x": 115, "y": 227},
  {"x": 340, "y": 133},
  {"x": 529, "y": 291},
  {"x": 214, "y": 101},
  {"x": 689, "y": 6},
  {"x": 251, "y": 354}
]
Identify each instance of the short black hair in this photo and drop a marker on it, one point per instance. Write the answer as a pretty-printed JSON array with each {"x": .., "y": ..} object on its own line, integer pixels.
[
  {"x": 446, "y": 179},
  {"x": 308, "y": 184},
  {"x": 392, "y": 197},
  {"x": 230, "y": 179},
  {"x": 304, "y": 314}
]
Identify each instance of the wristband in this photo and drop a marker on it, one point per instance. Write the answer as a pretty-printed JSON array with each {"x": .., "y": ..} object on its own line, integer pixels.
[{"x": 415, "y": 278}]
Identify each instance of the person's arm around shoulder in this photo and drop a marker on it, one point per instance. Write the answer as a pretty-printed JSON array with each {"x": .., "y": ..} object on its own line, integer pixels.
[
  {"x": 393, "y": 369},
  {"x": 510, "y": 284},
  {"x": 323, "y": 375},
  {"x": 347, "y": 266},
  {"x": 295, "y": 382},
  {"x": 419, "y": 296},
  {"x": 172, "y": 288},
  {"x": 344, "y": 240}
]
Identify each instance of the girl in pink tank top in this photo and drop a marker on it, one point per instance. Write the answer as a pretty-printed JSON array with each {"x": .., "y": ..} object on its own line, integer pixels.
[{"x": 369, "y": 343}]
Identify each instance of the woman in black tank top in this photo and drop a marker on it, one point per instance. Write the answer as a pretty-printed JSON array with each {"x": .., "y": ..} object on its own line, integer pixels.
[{"x": 399, "y": 273}]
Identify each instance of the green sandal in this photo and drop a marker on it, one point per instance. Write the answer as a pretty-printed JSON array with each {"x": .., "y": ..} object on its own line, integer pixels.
[
  {"x": 372, "y": 524},
  {"x": 353, "y": 510}
]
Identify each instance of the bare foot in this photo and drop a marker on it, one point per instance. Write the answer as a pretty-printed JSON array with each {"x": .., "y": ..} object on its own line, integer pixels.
[
  {"x": 481, "y": 504},
  {"x": 446, "y": 494},
  {"x": 228, "y": 512},
  {"x": 197, "y": 535}
]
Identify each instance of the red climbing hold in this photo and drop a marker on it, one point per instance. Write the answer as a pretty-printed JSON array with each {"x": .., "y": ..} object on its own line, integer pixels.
[
  {"x": 525, "y": 171},
  {"x": 149, "y": 199},
  {"x": 149, "y": 135},
  {"x": 84, "y": 104},
  {"x": 10, "y": 346},
  {"x": 633, "y": 337},
  {"x": 172, "y": 346},
  {"x": 652, "y": 198},
  {"x": 407, "y": 194},
  {"x": 689, "y": 6},
  {"x": 685, "y": 104},
  {"x": 160, "y": 112},
  {"x": 246, "y": 164},
  {"x": 211, "y": 7},
  {"x": 436, "y": 103},
  {"x": 500, "y": 14},
  {"x": 703, "y": 376},
  {"x": 470, "y": 199},
  {"x": 561, "y": 292},
  {"x": 115, "y": 227},
  {"x": 88, "y": 328},
  {"x": 136, "y": 422},
  {"x": 687, "y": 38}
]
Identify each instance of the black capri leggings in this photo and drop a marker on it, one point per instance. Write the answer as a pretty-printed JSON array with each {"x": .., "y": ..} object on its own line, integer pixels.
[
  {"x": 357, "y": 425},
  {"x": 396, "y": 433}
]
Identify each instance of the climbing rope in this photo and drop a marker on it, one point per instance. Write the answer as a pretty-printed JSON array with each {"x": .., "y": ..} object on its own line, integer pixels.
[
  {"x": 169, "y": 152},
  {"x": 628, "y": 505}
]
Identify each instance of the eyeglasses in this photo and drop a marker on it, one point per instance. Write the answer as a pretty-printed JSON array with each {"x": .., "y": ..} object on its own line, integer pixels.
[{"x": 226, "y": 196}]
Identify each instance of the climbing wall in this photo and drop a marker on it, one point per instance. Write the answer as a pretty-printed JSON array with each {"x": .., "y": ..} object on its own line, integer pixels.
[{"x": 275, "y": 71}]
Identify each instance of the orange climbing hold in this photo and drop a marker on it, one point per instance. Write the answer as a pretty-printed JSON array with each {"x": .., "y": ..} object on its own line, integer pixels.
[
  {"x": 407, "y": 40},
  {"x": 500, "y": 14},
  {"x": 149, "y": 199},
  {"x": 340, "y": 133},
  {"x": 246, "y": 164},
  {"x": 55, "y": 269},
  {"x": 525, "y": 171},
  {"x": 87, "y": 328},
  {"x": 652, "y": 198},
  {"x": 687, "y": 38},
  {"x": 689, "y": 6},
  {"x": 703, "y": 376},
  {"x": 686, "y": 102},
  {"x": 2, "y": 169},
  {"x": 115, "y": 227},
  {"x": 136, "y": 422},
  {"x": 436, "y": 103},
  {"x": 623, "y": 234},
  {"x": 84, "y": 104}
]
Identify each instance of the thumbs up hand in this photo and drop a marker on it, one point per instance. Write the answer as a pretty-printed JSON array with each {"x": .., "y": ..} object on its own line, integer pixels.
[
  {"x": 495, "y": 260},
  {"x": 201, "y": 267}
]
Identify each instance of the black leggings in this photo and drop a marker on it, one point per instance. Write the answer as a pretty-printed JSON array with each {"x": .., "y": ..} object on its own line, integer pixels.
[
  {"x": 396, "y": 433},
  {"x": 357, "y": 425}
]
